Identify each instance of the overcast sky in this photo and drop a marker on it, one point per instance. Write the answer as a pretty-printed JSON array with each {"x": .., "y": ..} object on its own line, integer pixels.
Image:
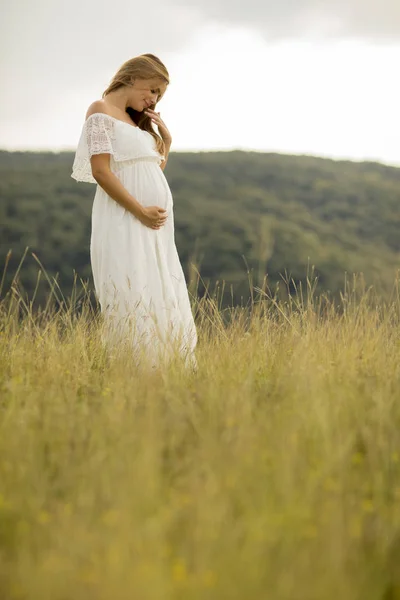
[{"x": 296, "y": 76}]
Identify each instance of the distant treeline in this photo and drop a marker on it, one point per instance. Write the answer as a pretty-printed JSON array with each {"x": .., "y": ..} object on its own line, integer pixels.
[{"x": 239, "y": 216}]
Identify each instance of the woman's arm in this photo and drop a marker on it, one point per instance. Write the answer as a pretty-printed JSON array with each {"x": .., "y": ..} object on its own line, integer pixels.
[
  {"x": 166, "y": 152},
  {"x": 165, "y": 134},
  {"x": 152, "y": 216},
  {"x": 110, "y": 183}
]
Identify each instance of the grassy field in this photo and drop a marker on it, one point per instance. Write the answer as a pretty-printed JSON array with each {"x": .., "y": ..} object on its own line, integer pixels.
[{"x": 273, "y": 472}]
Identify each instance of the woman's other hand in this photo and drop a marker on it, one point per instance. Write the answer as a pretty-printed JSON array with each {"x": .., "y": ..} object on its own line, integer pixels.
[{"x": 162, "y": 128}]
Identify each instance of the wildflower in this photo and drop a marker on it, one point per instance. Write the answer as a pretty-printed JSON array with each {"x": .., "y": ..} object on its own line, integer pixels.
[
  {"x": 179, "y": 572},
  {"x": 357, "y": 458},
  {"x": 43, "y": 517},
  {"x": 367, "y": 505}
]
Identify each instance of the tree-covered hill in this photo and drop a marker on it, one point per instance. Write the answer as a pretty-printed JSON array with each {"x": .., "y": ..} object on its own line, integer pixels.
[{"x": 271, "y": 213}]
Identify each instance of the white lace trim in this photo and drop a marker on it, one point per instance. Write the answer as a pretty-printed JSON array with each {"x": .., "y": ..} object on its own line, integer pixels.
[{"x": 99, "y": 137}]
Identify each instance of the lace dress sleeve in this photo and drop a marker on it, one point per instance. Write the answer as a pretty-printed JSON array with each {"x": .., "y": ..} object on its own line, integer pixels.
[
  {"x": 97, "y": 137},
  {"x": 99, "y": 134}
]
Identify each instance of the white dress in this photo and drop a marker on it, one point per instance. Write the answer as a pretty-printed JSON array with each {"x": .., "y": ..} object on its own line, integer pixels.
[{"x": 137, "y": 273}]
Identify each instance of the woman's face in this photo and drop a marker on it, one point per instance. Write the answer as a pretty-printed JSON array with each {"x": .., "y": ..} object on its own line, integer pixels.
[{"x": 145, "y": 93}]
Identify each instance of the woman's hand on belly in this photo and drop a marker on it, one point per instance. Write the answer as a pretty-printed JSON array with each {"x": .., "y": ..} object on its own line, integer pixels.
[{"x": 153, "y": 217}]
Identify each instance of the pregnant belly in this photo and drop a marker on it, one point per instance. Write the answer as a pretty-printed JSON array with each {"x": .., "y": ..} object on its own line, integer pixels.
[{"x": 147, "y": 184}]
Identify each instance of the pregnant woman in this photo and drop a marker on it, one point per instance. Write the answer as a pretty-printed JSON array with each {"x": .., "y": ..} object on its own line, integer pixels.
[{"x": 136, "y": 269}]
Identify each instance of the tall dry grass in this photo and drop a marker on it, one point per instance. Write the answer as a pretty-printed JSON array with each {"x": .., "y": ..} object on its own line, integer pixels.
[{"x": 273, "y": 472}]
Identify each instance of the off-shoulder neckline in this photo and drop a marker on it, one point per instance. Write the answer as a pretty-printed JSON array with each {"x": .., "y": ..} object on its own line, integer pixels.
[{"x": 115, "y": 119}]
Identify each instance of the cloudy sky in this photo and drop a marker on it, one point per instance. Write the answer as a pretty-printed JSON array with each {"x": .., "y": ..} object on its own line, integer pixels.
[{"x": 296, "y": 76}]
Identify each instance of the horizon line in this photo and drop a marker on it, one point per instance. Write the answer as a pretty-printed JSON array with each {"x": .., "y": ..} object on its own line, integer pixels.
[{"x": 336, "y": 158}]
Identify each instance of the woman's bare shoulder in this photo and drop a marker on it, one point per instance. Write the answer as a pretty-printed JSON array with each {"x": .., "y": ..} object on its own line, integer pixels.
[{"x": 98, "y": 106}]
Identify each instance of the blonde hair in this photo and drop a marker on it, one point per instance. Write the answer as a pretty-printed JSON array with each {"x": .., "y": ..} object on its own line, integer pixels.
[{"x": 145, "y": 66}]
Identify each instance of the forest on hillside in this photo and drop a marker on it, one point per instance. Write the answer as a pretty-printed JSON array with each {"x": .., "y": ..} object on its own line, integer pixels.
[{"x": 239, "y": 217}]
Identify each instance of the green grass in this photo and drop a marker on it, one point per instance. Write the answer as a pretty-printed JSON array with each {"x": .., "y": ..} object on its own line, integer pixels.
[{"x": 273, "y": 472}]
